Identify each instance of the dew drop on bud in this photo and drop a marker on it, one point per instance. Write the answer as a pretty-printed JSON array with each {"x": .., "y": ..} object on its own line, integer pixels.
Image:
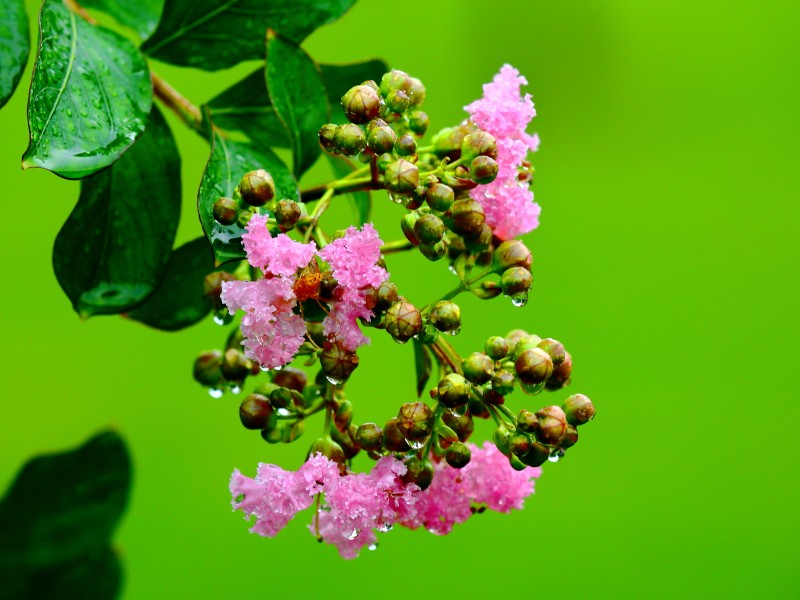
[
  {"x": 458, "y": 411},
  {"x": 283, "y": 412},
  {"x": 236, "y": 389},
  {"x": 520, "y": 299},
  {"x": 415, "y": 444},
  {"x": 557, "y": 455},
  {"x": 455, "y": 331},
  {"x": 215, "y": 393},
  {"x": 452, "y": 269},
  {"x": 333, "y": 380}
]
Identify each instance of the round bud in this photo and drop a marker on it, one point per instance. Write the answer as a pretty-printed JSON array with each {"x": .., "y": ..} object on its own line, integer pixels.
[
  {"x": 393, "y": 439},
  {"x": 212, "y": 288},
  {"x": 327, "y": 134},
  {"x": 369, "y": 436},
  {"x": 433, "y": 252},
  {"x": 552, "y": 425},
  {"x": 519, "y": 444},
  {"x": 407, "y": 223},
  {"x": 515, "y": 281},
  {"x": 496, "y": 347},
  {"x": 527, "y": 422},
  {"x": 361, "y": 103},
  {"x": 206, "y": 368},
  {"x": 570, "y": 438},
  {"x": 429, "y": 229},
  {"x": 514, "y": 336},
  {"x": 350, "y": 139},
  {"x": 561, "y": 374},
  {"x": 415, "y": 421},
  {"x": 533, "y": 366},
  {"x": 346, "y": 441},
  {"x": 225, "y": 211},
  {"x": 418, "y": 122},
  {"x": 373, "y": 85},
  {"x": 527, "y": 342},
  {"x": 337, "y": 363},
  {"x": 386, "y": 295},
  {"x": 458, "y": 455},
  {"x": 329, "y": 449},
  {"x": 478, "y": 143},
  {"x": 448, "y": 141},
  {"x": 480, "y": 242},
  {"x": 405, "y": 145},
  {"x": 235, "y": 367},
  {"x": 446, "y": 316},
  {"x": 287, "y": 213},
  {"x": 273, "y": 434},
  {"x": 536, "y": 455},
  {"x": 281, "y": 397},
  {"x": 440, "y": 197},
  {"x": 403, "y": 321},
  {"x": 401, "y": 177},
  {"x": 579, "y": 409},
  {"x": 394, "y": 80},
  {"x": 453, "y": 390},
  {"x": 503, "y": 382},
  {"x": 290, "y": 377},
  {"x": 398, "y": 101},
  {"x": 381, "y": 139},
  {"x": 255, "y": 411},
  {"x": 478, "y": 368},
  {"x": 463, "y": 425},
  {"x": 555, "y": 349},
  {"x": 419, "y": 472},
  {"x": 502, "y": 439},
  {"x": 416, "y": 90},
  {"x": 257, "y": 188},
  {"x": 466, "y": 217},
  {"x": 343, "y": 415},
  {"x": 483, "y": 169},
  {"x": 511, "y": 253}
]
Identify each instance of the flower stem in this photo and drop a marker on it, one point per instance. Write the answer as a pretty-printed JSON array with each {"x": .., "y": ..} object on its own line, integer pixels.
[{"x": 396, "y": 246}]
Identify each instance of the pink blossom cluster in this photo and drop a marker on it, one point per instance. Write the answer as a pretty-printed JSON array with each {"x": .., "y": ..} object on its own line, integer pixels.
[
  {"x": 355, "y": 505},
  {"x": 272, "y": 330},
  {"x": 505, "y": 113}
]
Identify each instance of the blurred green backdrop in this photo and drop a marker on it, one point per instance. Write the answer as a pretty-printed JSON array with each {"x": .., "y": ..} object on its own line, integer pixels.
[{"x": 666, "y": 261}]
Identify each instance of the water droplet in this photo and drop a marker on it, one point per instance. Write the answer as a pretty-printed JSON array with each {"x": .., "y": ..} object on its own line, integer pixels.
[
  {"x": 263, "y": 368},
  {"x": 334, "y": 381},
  {"x": 401, "y": 342},
  {"x": 557, "y": 455},
  {"x": 215, "y": 393},
  {"x": 222, "y": 317},
  {"x": 415, "y": 445},
  {"x": 455, "y": 331},
  {"x": 278, "y": 368},
  {"x": 372, "y": 547},
  {"x": 283, "y": 412},
  {"x": 352, "y": 535},
  {"x": 458, "y": 411},
  {"x": 385, "y": 527},
  {"x": 520, "y": 299},
  {"x": 235, "y": 389}
]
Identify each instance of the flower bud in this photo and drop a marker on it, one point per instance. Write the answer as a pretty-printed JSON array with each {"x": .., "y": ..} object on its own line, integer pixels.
[
  {"x": 257, "y": 188},
  {"x": 361, "y": 103},
  {"x": 503, "y": 382},
  {"x": 477, "y": 408},
  {"x": 420, "y": 472},
  {"x": 281, "y": 397},
  {"x": 265, "y": 388},
  {"x": 483, "y": 169},
  {"x": 533, "y": 366},
  {"x": 381, "y": 139},
  {"x": 212, "y": 288},
  {"x": 273, "y": 433},
  {"x": 373, "y": 85},
  {"x": 327, "y": 134},
  {"x": 561, "y": 374},
  {"x": 453, "y": 390},
  {"x": 511, "y": 253},
  {"x": 393, "y": 439},
  {"x": 433, "y": 252},
  {"x": 491, "y": 397},
  {"x": 386, "y": 295},
  {"x": 520, "y": 444},
  {"x": 398, "y": 101},
  {"x": 407, "y": 223},
  {"x": 579, "y": 409},
  {"x": 514, "y": 336},
  {"x": 343, "y": 415},
  {"x": 478, "y": 143},
  {"x": 349, "y": 139},
  {"x": 401, "y": 177},
  {"x": 418, "y": 122},
  {"x": 403, "y": 321},
  {"x": 496, "y": 347},
  {"x": 255, "y": 412},
  {"x": 369, "y": 437},
  {"x": 329, "y": 449},
  {"x": 502, "y": 439},
  {"x": 415, "y": 421},
  {"x": 290, "y": 377},
  {"x": 463, "y": 425},
  {"x": 571, "y": 437},
  {"x": 346, "y": 440},
  {"x": 527, "y": 422},
  {"x": 428, "y": 335},
  {"x": 466, "y": 217},
  {"x": 446, "y": 316},
  {"x": 416, "y": 90},
  {"x": 429, "y": 229},
  {"x": 527, "y": 342},
  {"x": 440, "y": 197},
  {"x": 480, "y": 242},
  {"x": 395, "y": 80},
  {"x": 458, "y": 455},
  {"x": 235, "y": 367},
  {"x": 287, "y": 213},
  {"x": 225, "y": 211},
  {"x": 555, "y": 349},
  {"x": 405, "y": 145},
  {"x": 337, "y": 363},
  {"x": 536, "y": 455},
  {"x": 478, "y": 368},
  {"x": 552, "y": 425},
  {"x": 448, "y": 141},
  {"x": 516, "y": 281}
]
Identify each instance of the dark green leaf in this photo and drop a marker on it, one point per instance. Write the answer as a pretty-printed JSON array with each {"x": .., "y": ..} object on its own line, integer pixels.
[
  {"x": 228, "y": 162},
  {"x": 217, "y": 34},
  {"x": 90, "y": 95},
  {"x": 14, "y": 47},
  {"x": 57, "y": 519},
  {"x": 360, "y": 201},
  {"x": 111, "y": 253},
  {"x": 298, "y": 95},
  {"x": 423, "y": 365},
  {"x": 139, "y": 15},
  {"x": 340, "y": 78},
  {"x": 180, "y": 300}
]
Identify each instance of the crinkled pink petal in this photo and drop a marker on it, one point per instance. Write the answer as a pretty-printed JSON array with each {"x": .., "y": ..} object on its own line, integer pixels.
[
  {"x": 489, "y": 479},
  {"x": 348, "y": 546},
  {"x": 317, "y": 473},
  {"x": 278, "y": 255},
  {"x": 354, "y": 257},
  {"x": 443, "y": 504},
  {"x": 509, "y": 207},
  {"x": 342, "y": 321}
]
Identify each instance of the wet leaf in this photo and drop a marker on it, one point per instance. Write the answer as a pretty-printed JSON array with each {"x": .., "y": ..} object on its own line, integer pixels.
[
  {"x": 180, "y": 301},
  {"x": 111, "y": 253},
  {"x": 217, "y": 34},
  {"x": 57, "y": 519},
  {"x": 298, "y": 94},
  {"x": 340, "y": 78},
  {"x": 14, "y": 47},
  {"x": 228, "y": 162},
  {"x": 90, "y": 95},
  {"x": 139, "y": 15},
  {"x": 361, "y": 202},
  {"x": 423, "y": 366}
]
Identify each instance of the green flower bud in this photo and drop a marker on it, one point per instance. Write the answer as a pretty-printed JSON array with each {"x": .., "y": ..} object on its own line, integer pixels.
[
  {"x": 386, "y": 296},
  {"x": 478, "y": 143},
  {"x": 428, "y": 335},
  {"x": 257, "y": 188},
  {"x": 458, "y": 455},
  {"x": 265, "y": 388},
  {"x": 483, "y": 169},
  {"x": 480, "y": 242},
  {"x": 463, "y": 425},
  {"x": 365, "y": 156},
  {"x": 373, "y": 85},
  {"x": 398, "y": 101},
  {"x": 407, "y": 223},
  {"x": 281, "y": 398},
  {"x": 287, "y": 213},
  {"x": 384, "y": 160},
  {"x": 555, "y": 349},
  {"x": 403, "y": 321},
  {"x": 433, "y": 252},
  {"x": 516, "y": 281},
  {"x": 350, "y": 139},
  {"x": 415, "y": 421},
  {"x": 496, "y": 347},
  {"x": 520, "y": 444},
  {"x": 419, "y": 472},
  {"x": 511, "y": 253},
  {"x": 417, "y": 91},
  {"x": 346, "y": 440},
  {"x": 579, "y": 409},
  {"x": 225, "y": 211},
  {"x": 537, "y": 455},
  {"x": 212, "y": 288},
  {"x": 527, "y": 422},
  {"x": 273, "y": 433},
  {"x": 478, "y": 408},
  {"x": 527, "y": 342},
  {"x": 478, "y": 368},
  {"x": 561, "y": 374},
  {"x": 418, "y": 122},
  {"x": 448, "y": 142},
  {"x": 290, "y": 377},
  {"x": 401, "y": 177},
  {"x": 381, "y": 139},
  {"x": 502, "y": 439},
  {"x": 369, "y": 437},
  {"x": 393, "y": 439},
  {"x": 552, "y": 425},
  {"x": 571, "y": 437},
  {"x": 503, "y": 382},
  {"x": 466, "y": 217},
  {"x": 343, "y": 415},
  {"x": 255, "y": 412},
  {"x": 327, "y": 134},
  {"x": 337, "y": 363},
  {"x": 361, "y": 103},
  {"x": 235, "y": 367},
  {"x": 440, "y": 197},
  {"x": 533, "y": 366},
  {"x": 429, "y": 229},
  {"x": 395, "y": 80},
  {"x": 514, "y": 336},
  {"x": 329, "y": 449},
  {"x": 244, "y": 217},
  {"x": 446, "y": 316},
  {"x": 453, "y": 390},
  {"x": 405, "y": 145}
]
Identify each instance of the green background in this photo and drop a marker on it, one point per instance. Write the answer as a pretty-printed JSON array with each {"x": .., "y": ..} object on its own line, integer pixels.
[{"x": 666, "y": 261}]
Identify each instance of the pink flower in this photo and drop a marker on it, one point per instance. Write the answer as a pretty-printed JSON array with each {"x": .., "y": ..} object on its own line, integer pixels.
[
  {"x": 279, "y": 255},
  {"x": 348, "y": 545},
  {"x": 505, "y": 113}
]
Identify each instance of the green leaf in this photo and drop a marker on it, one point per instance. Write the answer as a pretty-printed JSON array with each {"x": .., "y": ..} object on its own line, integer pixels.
[
  {"x": 217, "y": 34},
  {"x": 111, "y": 253},
  {"x": 139, "y": 15},
  {"x": 90, "y": 95},
  {"x": 57, "y": 519},
  {"x": 423, "y": 365},
  {"x": 180, "y": 300},
  {"x": 14, "y": 47},
  {"x": 340, "y": 78},
  {"x": 299, "y": 97},
  {"x": 228, "y": 162},
  {"x": 361, "y": 202}
]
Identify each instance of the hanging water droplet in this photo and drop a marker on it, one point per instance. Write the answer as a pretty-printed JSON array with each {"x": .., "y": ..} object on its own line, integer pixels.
[
  {"x": 333, "y": 380},
  {"x": 415, "y": 445},
  {"x": 520, "y": 299},
  {"x": 386, "y": 527},
  {"x": 557, "y": 455},
  {"x": 283, "y": 412},
  {"x": 215, "y": 393},
  {"x": 455, "y": 331},
  {"x": 458, "y": 411},
  {"x": 372, "y": 547},
  {"x": 263, "y": 368},
  {"x": 452, "y": 269},
  {"x": 235, "y": 389},
  {"x": 352, "y": 535},
  {"x": 399, "y": 341}
]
